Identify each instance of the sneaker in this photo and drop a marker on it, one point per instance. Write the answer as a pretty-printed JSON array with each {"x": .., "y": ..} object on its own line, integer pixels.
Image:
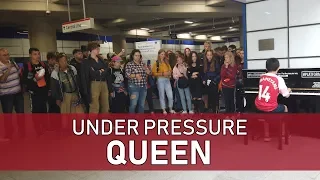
[
  {"x": 165, "y": 112},
  {"x": 184, "y": 112},
  {"x": 172, "y": 112},
  {"x": 191, "y": 112}
]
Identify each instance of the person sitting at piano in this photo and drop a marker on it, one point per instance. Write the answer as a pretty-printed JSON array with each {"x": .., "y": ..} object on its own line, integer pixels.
[{"x": 270, "y": 86}]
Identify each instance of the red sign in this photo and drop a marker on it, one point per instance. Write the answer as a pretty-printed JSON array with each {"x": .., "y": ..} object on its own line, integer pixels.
[{"x": 158, "y": 142}]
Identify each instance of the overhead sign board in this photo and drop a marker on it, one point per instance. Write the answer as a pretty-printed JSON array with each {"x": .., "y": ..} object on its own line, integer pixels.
[{"x": 78, "y": 25}]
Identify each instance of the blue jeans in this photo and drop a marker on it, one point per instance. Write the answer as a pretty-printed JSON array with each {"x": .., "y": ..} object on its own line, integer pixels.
[
  {"x": 164, "y": 86},
  {"x": 137, "y": 97},
  {"x": 185, "y": 98}
]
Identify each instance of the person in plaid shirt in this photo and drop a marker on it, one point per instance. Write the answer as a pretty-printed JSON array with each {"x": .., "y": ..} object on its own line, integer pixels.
[{"x": 136, "y": 72}]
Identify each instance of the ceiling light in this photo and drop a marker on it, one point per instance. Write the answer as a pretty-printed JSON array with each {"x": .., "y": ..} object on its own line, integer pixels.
[
  {"x": 151, "y": 30},
  {"x": 195, "y": 24},
  {"x": 119, "y": 20},
  {"x": 230, "y": 27},
  {"x": 147, "y": 29},
  {"x": 188, "y": 22}
]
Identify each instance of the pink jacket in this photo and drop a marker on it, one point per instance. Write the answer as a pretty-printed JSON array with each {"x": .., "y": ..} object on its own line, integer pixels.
[{"x": 178, "y": 70}]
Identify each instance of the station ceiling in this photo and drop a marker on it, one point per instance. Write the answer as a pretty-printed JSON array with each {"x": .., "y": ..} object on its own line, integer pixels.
[{"x": 157, "y": 17}]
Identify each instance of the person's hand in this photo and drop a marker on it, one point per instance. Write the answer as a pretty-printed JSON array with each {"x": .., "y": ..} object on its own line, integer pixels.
[
  {"x": 148, "y": 71},
  {"x": 289, "y": 89},
  {"x": 37, "y": 77},
  {"x": 203, "y": 82},
  {"x": 101, "y": 70},
  {"x": 125, "y": 92},
  {"x": 167, "y": 73},
  {"x": 138, "y": 76},
  {"x": 58, "y": 102}
]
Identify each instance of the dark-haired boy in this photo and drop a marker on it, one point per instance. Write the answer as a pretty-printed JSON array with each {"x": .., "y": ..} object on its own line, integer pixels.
[
  {"x": 52, "y": 64},
  {"x": 36, "y": 77},
  {"x": 270, "y": 86}
]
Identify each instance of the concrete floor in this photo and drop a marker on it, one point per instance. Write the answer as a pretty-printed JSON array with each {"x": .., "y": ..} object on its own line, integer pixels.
[{"x": 160, "y": 175}]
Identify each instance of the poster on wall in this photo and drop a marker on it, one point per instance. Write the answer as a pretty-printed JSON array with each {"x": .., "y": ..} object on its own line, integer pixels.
[{"x": 149, "y": 49}]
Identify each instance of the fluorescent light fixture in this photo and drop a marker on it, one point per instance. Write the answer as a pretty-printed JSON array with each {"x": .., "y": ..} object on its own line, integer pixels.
[
  {"x": 184, "y": 36},
  {"x": 119, "y": 20},
  {"x": 195, "y": 24},
  {"x": 151, "y": 30},
  {"x": 25, "y": 31},
  {"x": 267, "y": 13},
  {"x": 138, "y": 32},
  {"x": 201, "y": 37},
  {"x": 216, "y": 38},
  {"x": 230, "y": 27},
  {"x": 188, "y": 22},
  {"x": 147, "y": 29}
]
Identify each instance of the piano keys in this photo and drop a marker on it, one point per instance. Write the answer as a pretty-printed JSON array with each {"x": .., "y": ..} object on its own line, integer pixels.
[{"x": 305, "y": 85}]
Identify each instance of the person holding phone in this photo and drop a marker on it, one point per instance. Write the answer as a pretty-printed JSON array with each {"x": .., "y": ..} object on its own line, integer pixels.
[{"x": 137, "y": 72}]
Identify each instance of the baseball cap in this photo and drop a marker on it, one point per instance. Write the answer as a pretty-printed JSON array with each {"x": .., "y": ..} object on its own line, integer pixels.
[{"x": 116, "y": 58}]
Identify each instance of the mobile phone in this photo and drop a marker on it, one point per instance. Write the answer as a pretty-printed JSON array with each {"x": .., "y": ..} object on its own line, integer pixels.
[{"x": 148, "y": 62}]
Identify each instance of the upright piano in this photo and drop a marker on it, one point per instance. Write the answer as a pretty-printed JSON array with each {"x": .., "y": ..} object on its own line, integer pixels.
[{"x": 305, "y": 85}]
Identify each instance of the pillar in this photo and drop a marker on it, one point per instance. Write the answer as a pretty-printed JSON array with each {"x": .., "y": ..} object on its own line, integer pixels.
[
  {"x": 119, "y": 43},
  {"x": 42, "y": 35},
  {"x": 241, "y": 31}
]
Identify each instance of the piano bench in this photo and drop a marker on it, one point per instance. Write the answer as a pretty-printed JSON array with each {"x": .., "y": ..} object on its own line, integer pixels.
[{"x": 281, "y": 124}]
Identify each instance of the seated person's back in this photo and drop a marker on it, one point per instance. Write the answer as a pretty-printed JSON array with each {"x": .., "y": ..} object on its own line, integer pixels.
[{"x": 270, "y": 86}]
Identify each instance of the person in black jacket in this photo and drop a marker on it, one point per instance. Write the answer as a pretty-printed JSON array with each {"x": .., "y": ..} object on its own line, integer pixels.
[
  {"x": 36, "y": 78},
  {"x": 96, "y": 83},
  {"x": 64, "y": 87},
  {"x": 76, "y": 62},
  {"x": 211, "y": 79},
  {"x": 195, "y": 73}
]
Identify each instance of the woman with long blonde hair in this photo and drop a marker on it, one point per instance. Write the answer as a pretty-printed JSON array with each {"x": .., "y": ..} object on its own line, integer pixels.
[
  {"x": 228, "y": 79},
  {"x": 162, "y": 70}
]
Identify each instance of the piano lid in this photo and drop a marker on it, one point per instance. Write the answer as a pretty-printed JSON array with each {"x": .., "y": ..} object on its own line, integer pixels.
[{"x": 297, "y": 79}]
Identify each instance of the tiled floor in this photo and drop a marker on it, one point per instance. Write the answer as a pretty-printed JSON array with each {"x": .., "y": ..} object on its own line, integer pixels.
[{"x": 160, "y": 175}]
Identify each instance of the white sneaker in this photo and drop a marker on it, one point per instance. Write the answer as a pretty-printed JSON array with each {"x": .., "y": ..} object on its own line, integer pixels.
[
  {"x": 184, "y": 112},
  {"x": 172, "y": 112},
  {"x": 191, "y": 112},
  {"x": 165, "y": 112}
]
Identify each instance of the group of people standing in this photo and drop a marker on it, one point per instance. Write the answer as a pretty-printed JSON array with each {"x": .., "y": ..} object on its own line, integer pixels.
[{"x": 88, "y": 84}]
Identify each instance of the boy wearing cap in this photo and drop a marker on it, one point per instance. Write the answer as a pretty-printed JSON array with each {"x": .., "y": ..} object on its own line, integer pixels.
[{"x": 119, "y": 94}]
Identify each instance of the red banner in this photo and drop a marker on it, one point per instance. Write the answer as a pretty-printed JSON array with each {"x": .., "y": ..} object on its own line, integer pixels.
[{"x": 158, "y": 142}]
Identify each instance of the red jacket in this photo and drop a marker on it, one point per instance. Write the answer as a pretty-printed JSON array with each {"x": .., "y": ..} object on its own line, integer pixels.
[{"x": 228, "y": 76}]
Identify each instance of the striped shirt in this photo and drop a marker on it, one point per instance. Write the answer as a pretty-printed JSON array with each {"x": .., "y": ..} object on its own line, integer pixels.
[{"x": 12, "y": 84}]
